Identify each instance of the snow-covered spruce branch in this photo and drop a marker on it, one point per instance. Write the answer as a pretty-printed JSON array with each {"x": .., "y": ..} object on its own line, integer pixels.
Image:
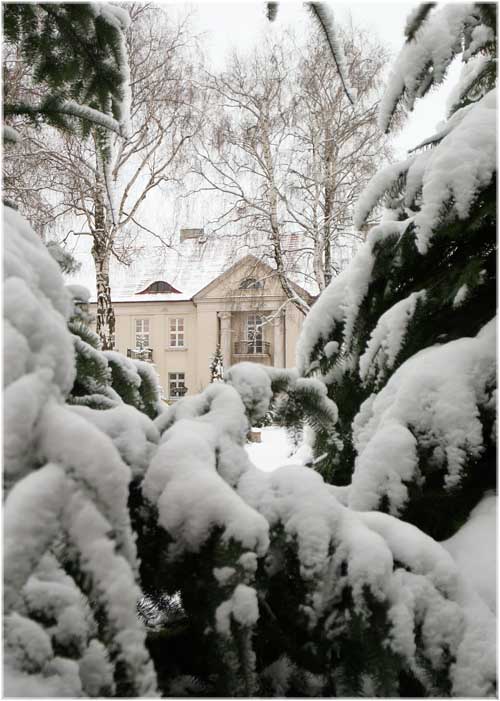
[
  {"x": 68, "y": 108},
  {"x": 425, "y": 58},
  {"x": 324, "y": 19}
]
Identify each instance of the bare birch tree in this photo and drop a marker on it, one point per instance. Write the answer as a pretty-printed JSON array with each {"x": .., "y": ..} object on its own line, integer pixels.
[
  {"x": 337, "y": 146},
  {"x": 287, "y": 152},
  {"x": 107, "y": 194}
]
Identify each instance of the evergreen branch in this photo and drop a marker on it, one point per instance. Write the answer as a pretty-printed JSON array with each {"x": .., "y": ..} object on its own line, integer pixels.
[
  {"x": 54, "y": 108},
  {"x": 271, "y": 10},
  {"x": 416, "y": 19},
  {"x": 324, "y": 20}
]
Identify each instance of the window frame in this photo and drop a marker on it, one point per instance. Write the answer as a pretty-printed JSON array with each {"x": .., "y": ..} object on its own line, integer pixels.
[
  {"x": 143, "y": 332},
  {"x": 178, "y": 383},
  {"x": 176, "y": 333},
  {"x": 251, "y": 283}
]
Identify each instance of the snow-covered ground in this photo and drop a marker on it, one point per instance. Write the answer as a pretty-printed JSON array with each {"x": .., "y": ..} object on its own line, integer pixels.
[{"x": 275, "y": 450}]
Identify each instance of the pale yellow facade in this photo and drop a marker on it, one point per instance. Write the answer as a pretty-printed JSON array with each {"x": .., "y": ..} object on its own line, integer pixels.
[{"x": 222, "y": 313}]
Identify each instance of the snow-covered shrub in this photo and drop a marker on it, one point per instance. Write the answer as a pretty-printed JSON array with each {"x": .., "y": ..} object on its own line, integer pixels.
[
  {"x": 285, "y": 590},
  {"x": 70, "y": 567},
  {"x": 106, "y": 379}
]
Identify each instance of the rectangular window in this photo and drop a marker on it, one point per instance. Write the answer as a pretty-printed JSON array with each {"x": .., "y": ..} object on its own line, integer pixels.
[
  {"x": 254, "y": 335},
  {"x": 176, "y": 386},
  {"x": 176, "y": 333},
  {"x": 142, "y": 333}
]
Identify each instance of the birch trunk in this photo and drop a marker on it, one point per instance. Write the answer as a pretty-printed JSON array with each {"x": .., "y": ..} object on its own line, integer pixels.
[
  {"x": 329, "y": 196},
  {"x": 101, "y": 253},
  {"x": 301, "y": 304}
]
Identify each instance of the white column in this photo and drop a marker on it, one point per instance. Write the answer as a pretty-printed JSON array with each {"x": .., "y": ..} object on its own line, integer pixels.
[
  {"x": 225, "y": 337},
  {"x": 279, "y": 341}
]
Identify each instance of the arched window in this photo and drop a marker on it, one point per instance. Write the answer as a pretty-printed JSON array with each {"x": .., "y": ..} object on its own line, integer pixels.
[
  {"x": 250, "y": 283},
  {"x": 158, "y": 286}
]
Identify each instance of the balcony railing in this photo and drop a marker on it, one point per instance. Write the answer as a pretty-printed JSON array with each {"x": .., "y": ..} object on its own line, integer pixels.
[
  {"x": 256, "y": 347},
  {"x": 140, "y": 354}
]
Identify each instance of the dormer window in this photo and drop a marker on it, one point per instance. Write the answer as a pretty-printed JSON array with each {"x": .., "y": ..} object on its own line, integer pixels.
[
  {"x": 250, "y": 283},
  {"x": 160, "y": 286}
]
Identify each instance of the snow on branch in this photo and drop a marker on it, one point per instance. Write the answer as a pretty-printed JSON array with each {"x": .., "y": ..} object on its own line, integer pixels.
[
  {"x": 376, "y": 189},
  {"x": 460, "y": 166},
  {"x": 89, "y": 114},
  {"x": 387, "y": 338},
  {"x": 448, "y": 126},
  {"x": 69, "y": 108},
  {"x": 66, "y": 497},
  {"x": 470, "y": 81},
  {"x": 187, "y": 477},
  {"x": 325, "y": 20},
  {"x": 434, "y": 398},
  {"x": 411, "y": 576},
  {"x": 334, "y": 313},
  {"x": 416, "y": 18},
  {"x": 424, "y": 61},
  {"x": 449, "y": 175}
]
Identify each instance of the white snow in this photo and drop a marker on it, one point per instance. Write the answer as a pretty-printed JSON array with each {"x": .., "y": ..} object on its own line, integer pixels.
[
  {"x": 425, "y": 60},
  {"x": 480, "y": 37},
  {"x": 253, "y": 384},
  {"x": 242, "y": 606},
  {"x": 126, "y": 365},
  {"x": 469, "y": 74},
  {"x": 41, "y": 495},
  {"x": 461, "y": 165},
  {"x": 437, "y": 392},
  {"x": 387, "y": 337},
  {"x": 276, "y": 450},
  {"x": 461, "y": 296},
  {"x": 474, "y": 549},
  {"x": 64, "y": 476},
  {"x": 328, "y": 21},
  {"x": 427, "y": 591},
  {"x": 79, "y": 292},
  {"x": 132, "y": 432},
  {"x": 10, "y": 134},
  {"x": 444, "y": 128},
  {"x": 376, "y": 188},
  {"x": 73, "y": 109},
  {"x": 187, "y": 477},
  {"x": 223, "y": 574},
  {"x": 119, "y": 18},
  {"x": 339, "y": 302},
  {"x": 96, "y": 672},
  {"x": 330, "y": 349}
]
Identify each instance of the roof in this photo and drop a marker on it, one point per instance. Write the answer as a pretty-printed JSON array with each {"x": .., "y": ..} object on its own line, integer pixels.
[{"x": 188, "y": 267}]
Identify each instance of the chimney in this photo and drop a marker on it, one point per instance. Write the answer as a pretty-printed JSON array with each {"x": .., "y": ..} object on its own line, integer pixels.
[{"x": 191, "y": 234}]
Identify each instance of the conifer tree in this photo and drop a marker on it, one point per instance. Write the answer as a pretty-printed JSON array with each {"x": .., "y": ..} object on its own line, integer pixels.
[
  {"x": 79, "y": 62},
  {"x": 217, "y": 366},
  {"x": 70, "y": 565},
  {"x": 401, "y": 339}
]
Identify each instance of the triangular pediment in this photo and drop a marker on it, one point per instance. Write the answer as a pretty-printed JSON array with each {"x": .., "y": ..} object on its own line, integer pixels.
[{"x": 249, "y": 277}]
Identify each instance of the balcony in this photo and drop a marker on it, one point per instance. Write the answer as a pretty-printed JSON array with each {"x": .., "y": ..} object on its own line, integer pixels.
[
  {"x": 256, "y": 347},
  {"x": 145, "y": 354}
]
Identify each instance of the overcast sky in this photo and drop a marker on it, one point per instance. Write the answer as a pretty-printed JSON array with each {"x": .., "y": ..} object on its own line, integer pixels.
[{"x": 240, "y": 23}]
